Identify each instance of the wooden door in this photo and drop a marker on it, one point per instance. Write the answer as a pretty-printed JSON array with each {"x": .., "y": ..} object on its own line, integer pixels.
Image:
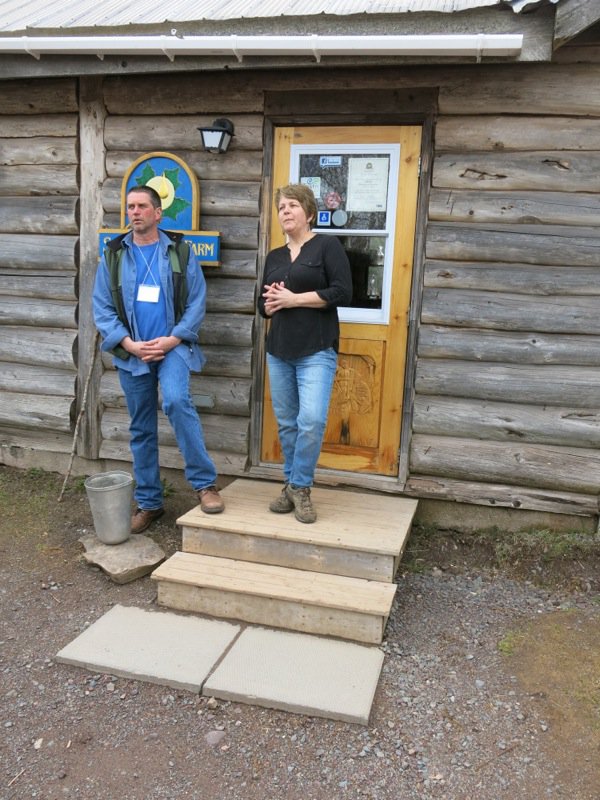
[{"x": 363, "y": 430}]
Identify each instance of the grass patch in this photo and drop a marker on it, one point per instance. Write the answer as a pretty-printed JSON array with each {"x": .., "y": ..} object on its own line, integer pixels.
[{"x": 510, "y": 642}]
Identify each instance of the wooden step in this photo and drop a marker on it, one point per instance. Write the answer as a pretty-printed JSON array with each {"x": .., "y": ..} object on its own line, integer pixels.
[
  {"x": 332, "y": 605},
  {"x": 356, "y": 534}
]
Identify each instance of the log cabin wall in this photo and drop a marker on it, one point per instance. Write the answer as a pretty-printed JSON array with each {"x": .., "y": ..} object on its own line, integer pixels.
[
  {"x": 39, "y": 195},
  {"x": 149, "y": 113},
  {"x": 505, "y": 377},
  {"x": 507, "y": 384}
]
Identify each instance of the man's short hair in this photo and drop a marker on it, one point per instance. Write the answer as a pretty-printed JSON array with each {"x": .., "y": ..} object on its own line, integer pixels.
[{"x": 152, "y": 194}]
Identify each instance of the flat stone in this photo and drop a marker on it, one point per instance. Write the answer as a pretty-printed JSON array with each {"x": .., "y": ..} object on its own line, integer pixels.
[
  {"x": 155, "y": 646},
  {"x": 300, "y": 673},
  {"x": 123, "y": 562}
]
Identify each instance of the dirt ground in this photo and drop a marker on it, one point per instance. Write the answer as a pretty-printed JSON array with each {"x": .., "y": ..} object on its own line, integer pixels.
[{"x": 69, "y": 733}]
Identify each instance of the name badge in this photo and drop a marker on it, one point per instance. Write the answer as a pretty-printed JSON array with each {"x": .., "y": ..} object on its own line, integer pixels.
[{"x": 147, "y": 293}]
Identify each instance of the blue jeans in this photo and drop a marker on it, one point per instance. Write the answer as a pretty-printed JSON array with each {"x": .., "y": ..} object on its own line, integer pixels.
[
  {"x": 300, "y": 392},
  {"x": 141, "y": 394}
]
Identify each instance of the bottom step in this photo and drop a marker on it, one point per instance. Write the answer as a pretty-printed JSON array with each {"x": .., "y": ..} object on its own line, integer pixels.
[{"x": 279, "y": 597}]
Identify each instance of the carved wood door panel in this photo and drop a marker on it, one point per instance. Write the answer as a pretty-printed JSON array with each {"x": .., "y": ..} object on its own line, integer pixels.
[{"x": 365, "y": 180}]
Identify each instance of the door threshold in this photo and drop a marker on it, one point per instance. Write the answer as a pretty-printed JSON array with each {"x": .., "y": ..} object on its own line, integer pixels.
[{"x": 328, "y": 477}]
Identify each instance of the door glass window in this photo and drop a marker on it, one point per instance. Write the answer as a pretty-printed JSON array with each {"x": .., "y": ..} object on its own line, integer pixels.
[{"x": 355, "y": 190}]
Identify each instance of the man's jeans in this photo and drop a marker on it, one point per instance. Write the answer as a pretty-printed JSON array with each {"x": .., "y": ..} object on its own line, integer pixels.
[
  {"x": 141, "y": 394},
  {"x": 300, "y": 391}
]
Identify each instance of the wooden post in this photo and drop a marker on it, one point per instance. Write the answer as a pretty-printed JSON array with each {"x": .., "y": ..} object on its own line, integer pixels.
[{"x": 92, "y": 114}]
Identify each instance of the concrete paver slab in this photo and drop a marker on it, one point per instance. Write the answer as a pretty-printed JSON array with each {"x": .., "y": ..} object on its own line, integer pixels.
[
  {"x": 300, "y": 673},
  {"x": 159, "y": 647}
]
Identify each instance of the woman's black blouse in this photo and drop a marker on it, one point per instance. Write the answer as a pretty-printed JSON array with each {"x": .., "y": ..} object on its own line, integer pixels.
[{"x": 321, "y": 266}]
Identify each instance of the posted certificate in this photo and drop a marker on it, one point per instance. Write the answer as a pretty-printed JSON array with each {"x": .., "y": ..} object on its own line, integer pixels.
[{"x": 367, "y": 184}]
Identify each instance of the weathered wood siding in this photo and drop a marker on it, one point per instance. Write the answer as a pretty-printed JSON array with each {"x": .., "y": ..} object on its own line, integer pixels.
[
  {"x": 507, "y": 383},
  {"x": 230, "y": 194},
  {"x": 39, "y": 195}
]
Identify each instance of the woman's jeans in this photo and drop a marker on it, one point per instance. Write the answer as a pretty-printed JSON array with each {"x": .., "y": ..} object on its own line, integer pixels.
[
  {"x": 300, "y": 392},
  {"x": 141, "y": 394}
]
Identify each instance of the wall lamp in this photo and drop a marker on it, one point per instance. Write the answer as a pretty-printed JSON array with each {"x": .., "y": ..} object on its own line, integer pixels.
[{"x": 216, "y": 137}]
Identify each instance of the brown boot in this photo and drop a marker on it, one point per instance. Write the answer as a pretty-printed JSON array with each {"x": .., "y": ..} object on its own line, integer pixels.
[
  {"x": 303, "y": 507},
  {"x": 281, "y": 504},
  {"x": 211, "y": 501},
  {"x": 142, "y": 518}
]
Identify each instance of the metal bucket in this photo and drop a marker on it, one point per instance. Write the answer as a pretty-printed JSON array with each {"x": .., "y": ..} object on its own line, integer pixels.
[{"x": 110, "y": 495}]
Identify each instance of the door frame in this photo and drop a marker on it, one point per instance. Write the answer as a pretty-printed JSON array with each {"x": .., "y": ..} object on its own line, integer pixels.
[{"x": 425, "y": 119}]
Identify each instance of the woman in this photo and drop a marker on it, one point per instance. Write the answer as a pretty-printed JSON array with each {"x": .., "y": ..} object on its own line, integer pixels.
[{"x": 303, "y": 284}]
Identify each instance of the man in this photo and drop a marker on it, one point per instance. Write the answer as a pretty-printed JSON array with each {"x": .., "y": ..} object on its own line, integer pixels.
[{"x": 157, "y": 347}]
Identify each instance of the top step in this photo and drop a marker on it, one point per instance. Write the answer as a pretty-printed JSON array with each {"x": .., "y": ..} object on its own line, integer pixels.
[{"x": 356, "y": 534}]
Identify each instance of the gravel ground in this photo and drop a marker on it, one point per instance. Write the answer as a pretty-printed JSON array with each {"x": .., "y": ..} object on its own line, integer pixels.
[{"x": 490, "y": 689}]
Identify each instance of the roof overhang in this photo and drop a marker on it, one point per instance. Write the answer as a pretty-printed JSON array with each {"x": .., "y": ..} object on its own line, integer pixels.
[{"x": 478, "y": 45}]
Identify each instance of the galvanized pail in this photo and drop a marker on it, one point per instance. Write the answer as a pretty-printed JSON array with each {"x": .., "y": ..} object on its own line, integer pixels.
[{"x": 110, "y": 496}]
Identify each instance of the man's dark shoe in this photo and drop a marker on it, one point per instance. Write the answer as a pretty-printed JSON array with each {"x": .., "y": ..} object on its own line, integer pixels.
[
  {"x": 303, "y": 507},
  {"x": 143, "y": 518},
  {"x": 210, "y": 500},
  {"x": 281, "y": 504}
]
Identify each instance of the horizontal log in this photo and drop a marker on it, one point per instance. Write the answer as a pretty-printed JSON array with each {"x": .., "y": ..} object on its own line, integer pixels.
[
  {"x": 41, "y": 346},
  {"x": 202, "y": 93},
  {"x": 506, "y": 422},
  {"x": 549, "y": 170},
  {"x": 211, "y": 395},
  {"x": 477, "y": 344},
  {"x": 578, "y": 387},
  {"x": 43, "y": 179},
  {"x": 237, "y": 264},
  {"x": 236, "y": 232},
  {"x": 502, "y": 496},
  {"x": 532, "y": 279},
  {"x": 220, "y": 432},
  {"x": 231, "y": 198},
  {"x": 234, "y": 362},
  {"x": 23, "y": 126},
  {"x": 529, "y": 244},
  {"x": 530, "y": 89},
  {"x": 34, "y": 284},
  {"x": 19, "y": 446},
  {"x": 179, "y": 130},
  {"x": 23, "y": 251},
  {"x": 230, "y": 294},
  {"x": 456, "y": 134},
  {"x": 38, "y": 150},
  {"x": 37, "y": 411},
  {"x": 43, "y": 215},
  {"x": 541, "y": 466},
  {"x": 503, "y": 311},
  {"x": 21, "y": 377},
  {"x": 39, "y": 96},
  {"x": 30, "y": 311},
  {"x": 554, "y": 208},
  {"x": 227, "y": 329},
  {"x": 239, "y": 164},
  {"x": 170, "y": 457}
]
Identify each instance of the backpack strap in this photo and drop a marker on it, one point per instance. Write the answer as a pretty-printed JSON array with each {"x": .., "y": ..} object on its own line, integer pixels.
[
  {"x": 113, "y": 255},
  {"x": 178, "y": 257}
]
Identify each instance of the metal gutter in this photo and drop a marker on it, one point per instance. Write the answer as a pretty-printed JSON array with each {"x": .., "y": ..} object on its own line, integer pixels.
[{"x": 477, "y": 45}]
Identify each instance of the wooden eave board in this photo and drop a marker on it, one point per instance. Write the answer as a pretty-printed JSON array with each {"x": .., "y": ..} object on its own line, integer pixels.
[
  {"x": 345, "y": 519},
  {"x": 278, "y": 583}
]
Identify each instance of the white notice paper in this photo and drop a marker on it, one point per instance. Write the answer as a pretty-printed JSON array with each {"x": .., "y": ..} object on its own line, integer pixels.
[{"x": 367, "y": 184}]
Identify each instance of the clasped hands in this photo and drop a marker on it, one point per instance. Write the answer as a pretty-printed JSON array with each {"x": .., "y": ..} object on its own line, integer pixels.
[
  {"x": 153, "y": 350},
  {"x": 277, "y": 297}
]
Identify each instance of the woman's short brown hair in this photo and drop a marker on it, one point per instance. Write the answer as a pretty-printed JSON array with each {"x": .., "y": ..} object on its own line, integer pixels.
[{"x": 303, "y": 194}]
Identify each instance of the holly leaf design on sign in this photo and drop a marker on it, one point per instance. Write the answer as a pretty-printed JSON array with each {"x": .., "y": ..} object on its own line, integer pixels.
[
  {"x": 173, "y": 176},
  {"x": 176, "y": 207},
  {"x": 145, "y": 175}
]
